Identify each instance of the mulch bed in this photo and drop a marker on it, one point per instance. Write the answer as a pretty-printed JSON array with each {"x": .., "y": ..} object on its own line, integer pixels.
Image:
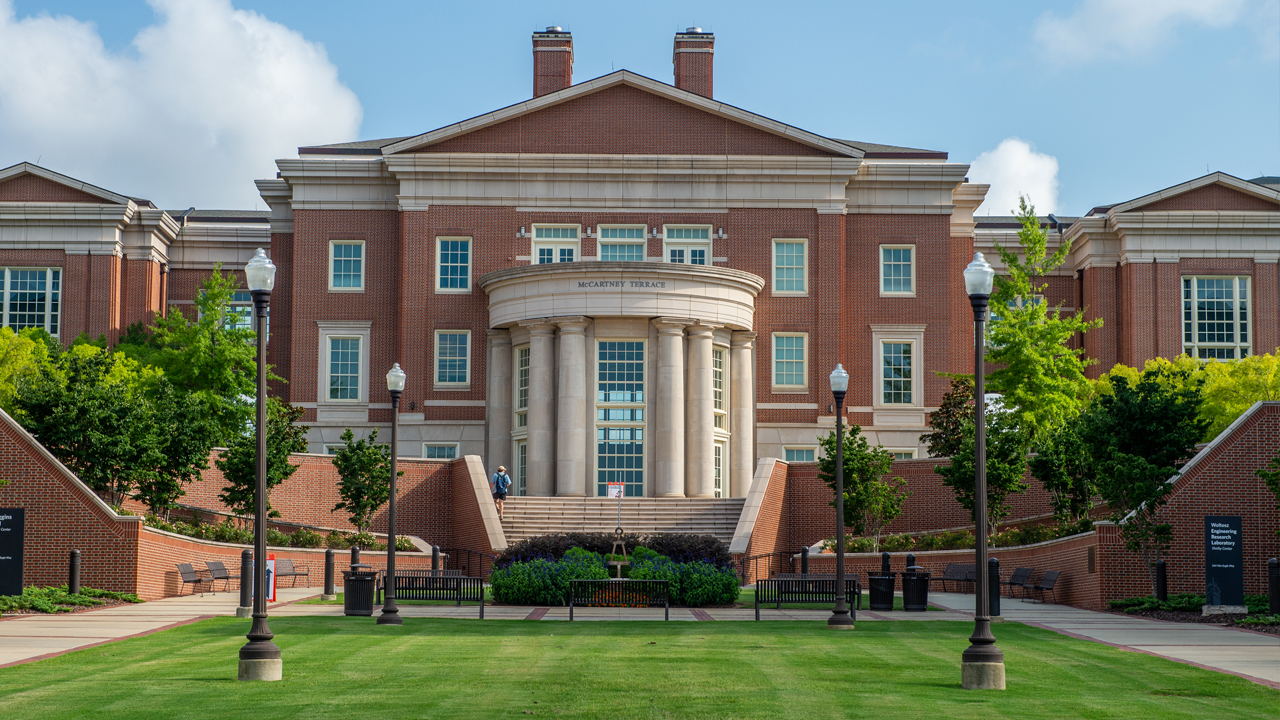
[
  {"x": 106, "y": 603},
  {"x": 1195, "y": 617}
]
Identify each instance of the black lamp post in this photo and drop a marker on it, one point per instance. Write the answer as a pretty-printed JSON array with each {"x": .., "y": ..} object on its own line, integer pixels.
[
  {"x": 841, "y": 616},
  {"x": 260, "y": 658},
  {"x": 390, "y": 613},
  {"x": 982, "y": 663}
]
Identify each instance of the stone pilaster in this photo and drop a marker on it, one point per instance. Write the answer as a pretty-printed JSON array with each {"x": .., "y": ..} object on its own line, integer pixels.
[
  {"x": 498, "y": 401},
  {"x": 667, "y": 426},
  {"x": 571, "y": 419},
  {"x": 699, "y": 420},
  {"x": 540, "y": 472},
  {"x": 742, "y": 413}
]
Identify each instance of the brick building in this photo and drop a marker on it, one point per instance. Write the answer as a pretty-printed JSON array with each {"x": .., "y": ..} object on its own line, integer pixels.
[{"x": 625, "y": 280}]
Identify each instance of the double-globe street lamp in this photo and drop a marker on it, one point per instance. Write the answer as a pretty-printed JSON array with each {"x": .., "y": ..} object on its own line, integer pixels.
[
  {"x": 982, "y": 663},
  {"x": 841, "y": 616},
  {"x": 390, "y": 613},
  {"x": 260, "y": 658}
]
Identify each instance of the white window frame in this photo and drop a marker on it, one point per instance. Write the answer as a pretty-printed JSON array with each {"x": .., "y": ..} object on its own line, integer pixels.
[
  {"x": 342, "y": 328},
  {"x": 912, "y": 451},
  {"x": 519, "y": 411},
  {"x": 597, "y": 405},
  {"x": 813, "y": 448},
  {"x": 880, "y": 262},
  {"x": 1242, "y": 348},
  {"x": 804, "y": 292},
  {"x": 520, "y": 467},
  {"x": 361, "y": 369},
  {"x": 720, "y": 398},
  {"x": 333, "y": 448},
  {"x": 453, "y": 445},
  {"x": 471, "y": 258},
  {"x": 913, "y": 334},
  {"x": 668, "y": 244},
  {"x": 915, "y": 372},
  {"x": 642, "y": 241},
  {"x": 435, "y": 364},
  {"x": 556, "y": 244},
  {"x": 50, "y": 293},
  {"x": 364, "y": 263},
  {"x": 720, "y": 468},
  {"x": 773, "y": 363}
]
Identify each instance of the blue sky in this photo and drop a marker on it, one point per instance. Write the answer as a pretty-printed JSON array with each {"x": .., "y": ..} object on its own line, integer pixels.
[{"x": 1128, "y": 96}]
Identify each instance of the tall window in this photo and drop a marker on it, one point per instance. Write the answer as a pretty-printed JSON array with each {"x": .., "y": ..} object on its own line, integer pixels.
[
  {"x": 790, "y": 267},
  {"x": 620, "y": 416},
  {"x": 344, "y": 368},
  {"x": 717, "y": 385},
  {"x": 897, "y": 270},
  {"x": 522, "y": 468},
  {"x": 555, "y": 243},
  {"x": 1215, "y": 317},
  {"x": 522, "y": 386},
  {"x": 346, "y": 265},
  {"x": 32, "y": 297},
  {"x": 789, "y": 369},
  {"x": 895, "y": 373},
  {"x": 453, "y": 264},
  {"x": 453, "y": 350},
  {"x": 718, "y": 468},
  {"x": 690, "y": 245},
  {"x": 624, "y": 244}
]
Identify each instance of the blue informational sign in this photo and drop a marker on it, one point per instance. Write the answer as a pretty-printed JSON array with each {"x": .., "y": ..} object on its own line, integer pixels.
[
  {"x": 12, "y": 527},
  {"x": 1223, "y": 560}
]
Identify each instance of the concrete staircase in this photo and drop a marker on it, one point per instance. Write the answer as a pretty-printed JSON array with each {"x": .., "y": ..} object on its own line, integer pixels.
[{"x": 530, "y": 516}]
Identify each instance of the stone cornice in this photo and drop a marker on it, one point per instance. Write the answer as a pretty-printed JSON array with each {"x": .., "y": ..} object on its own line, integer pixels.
[{"x": 748, "y": 281}]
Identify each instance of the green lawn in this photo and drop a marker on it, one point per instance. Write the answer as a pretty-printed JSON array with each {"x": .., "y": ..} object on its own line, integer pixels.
[
  {"x": 746, "y": 599},
  {"x": 348, "y": 668}
]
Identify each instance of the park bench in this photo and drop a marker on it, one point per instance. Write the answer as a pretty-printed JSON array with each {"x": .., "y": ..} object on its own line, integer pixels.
[
  {"x": 1045, "y": 585},
  {"x": 218, "y": 571},
  {"x": 429, "y": 585},
  {"x": 793, "y": 588},
  {"x": 190, "y": 576},
  {"x": 285, "y": 568},
  {"x": 955, "y": 573},
  {"x": 620, "y": 593},
  {"x": 1021, "y": 578}
]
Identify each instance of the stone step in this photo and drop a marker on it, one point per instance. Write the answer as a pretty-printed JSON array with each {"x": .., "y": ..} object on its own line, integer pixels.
[{"x": 532, "y": 516}]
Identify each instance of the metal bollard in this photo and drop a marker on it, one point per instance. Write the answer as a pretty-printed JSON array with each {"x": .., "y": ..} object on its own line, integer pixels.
[
  {"x": 435, "y": 561},
  {"x": 355, "y": 555},
  {"x": 911, "y": 561},
  {"x": 1162, "y": 581},
  {"x": 993, "y": 587},
  {"x": 884, "y": 563},
  {"x": 330, "y": 592},
  {"x": 246, "y": 584},
  {"x": 804, "y": 561},
  {"x": 73, "y": 573},
  {"x": 1273, "y": 585}
]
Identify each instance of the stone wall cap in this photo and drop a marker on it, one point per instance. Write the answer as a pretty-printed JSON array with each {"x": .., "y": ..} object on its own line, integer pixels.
[{"x": 705, "y": 273}]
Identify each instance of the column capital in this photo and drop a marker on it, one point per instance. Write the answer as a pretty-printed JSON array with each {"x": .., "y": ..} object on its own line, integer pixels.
[
  {"x": 672, "y": 326},
  {"x": 572, "y": 325},
  {"x": 702, "y": 329},
  {"x": 742, "y": 338},
  {"x": 499, "y": 336},
  {"x": 540, "y": 327}
]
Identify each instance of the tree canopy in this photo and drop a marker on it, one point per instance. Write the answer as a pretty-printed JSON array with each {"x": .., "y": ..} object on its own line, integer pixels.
[
  {"x": 871, "y": 500},
  {"x": 949, "y": 421},
  {"x": 364, "y": 467},
  {"x": 238, "y": 463},
  {"x": 1006, "y": 463}
]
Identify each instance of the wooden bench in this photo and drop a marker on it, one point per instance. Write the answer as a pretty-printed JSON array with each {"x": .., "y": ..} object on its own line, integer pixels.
[
  {"x": 794, "y": 588},
  {"x": 620, "y": 593},
  {"x": 956, "y": 573},
  {"x": 285, "y": 568},
  {"x": 424, "y": 585},
  {"x": 191, "y": 576}
]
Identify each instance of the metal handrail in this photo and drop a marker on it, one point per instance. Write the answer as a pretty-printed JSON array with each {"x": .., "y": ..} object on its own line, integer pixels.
[
  {"x": 472, "y": 563},
  {"x": 774, "y": 563}
]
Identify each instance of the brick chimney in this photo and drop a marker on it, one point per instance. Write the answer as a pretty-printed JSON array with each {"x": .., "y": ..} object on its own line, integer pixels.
[
  {"x": 692, "y": 57},
  {"x": 552, "y": 61}
]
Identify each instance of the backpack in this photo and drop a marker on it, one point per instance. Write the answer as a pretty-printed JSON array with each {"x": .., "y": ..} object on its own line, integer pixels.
[{"x": 501, "y": 481}]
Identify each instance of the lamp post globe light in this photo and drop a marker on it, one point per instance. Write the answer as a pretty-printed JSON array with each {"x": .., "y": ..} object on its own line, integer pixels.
[
  {"x": 390, "y": 613},
  {"x": 841, "y": 616},
  {"x": 260, "y": 658},
  {"x": 982, "y": 663}
]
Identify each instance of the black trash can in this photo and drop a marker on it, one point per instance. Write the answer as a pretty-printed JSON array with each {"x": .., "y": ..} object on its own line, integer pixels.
[
  {"x": 881, "y": 590},
  {"x": 358, "y": 589},
  {"x": 915, "y": 589}
]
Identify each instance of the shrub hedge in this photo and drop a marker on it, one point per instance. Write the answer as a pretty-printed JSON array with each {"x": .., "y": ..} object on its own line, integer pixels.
[
  {"x": 1183, "y": 602},
  {"x": 680, "y": 547},
  {"x": 542, "y": 581}
]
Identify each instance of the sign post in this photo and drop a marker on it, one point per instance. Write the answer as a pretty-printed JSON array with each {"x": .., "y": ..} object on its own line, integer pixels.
[
  {"x": 1223, "y": 565},
  {"x": 12, "y": 528}
]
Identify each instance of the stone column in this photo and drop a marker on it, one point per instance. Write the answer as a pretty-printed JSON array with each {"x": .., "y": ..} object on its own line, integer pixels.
[
  {"x": 699, "y": 415},
  {"x": 742, "y": 407},
  {"x": 571, "y": 418},
  {"x": 542, "y": 412},
  {"x": 498, "y": 401},
  {"x": 667, "y": 427}
]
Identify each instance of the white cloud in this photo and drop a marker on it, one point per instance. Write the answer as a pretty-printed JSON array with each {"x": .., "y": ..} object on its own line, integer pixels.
[
  {"x": 211, "y": 97},
  {"x": 1014, "y": 168},
  {"x": 1109, "y": 28}
]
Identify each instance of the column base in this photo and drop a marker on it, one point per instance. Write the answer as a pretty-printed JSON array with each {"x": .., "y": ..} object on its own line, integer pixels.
[
  {"x": 244, "y": 612},
  {"x": 265, "y": 670},
  {"x": 671, "y": 495},
  {"x": 328, "y": 597},
  {"x": 982, "y": 676}
]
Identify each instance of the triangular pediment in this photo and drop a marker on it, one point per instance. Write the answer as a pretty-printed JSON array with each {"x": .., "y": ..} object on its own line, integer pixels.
[
  {"x": 1212, "y": 192},
  {"x": 624, "y": 113},
  {"x": 26, "y": 182}
]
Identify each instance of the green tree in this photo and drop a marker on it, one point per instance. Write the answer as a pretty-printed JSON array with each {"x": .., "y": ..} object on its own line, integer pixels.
[
  {"x": 871, "y": 501},
  {"x": 238, "y": 463},
  {"x": 1271, "y": 476},
  {"x": 1232, "y": 387},
  {"x": 183, "y": 440},
  {"x": 949, "y": 421},
  {"x": 1064, "y": 466},
  {"x": 1040, "y": 378},
  {"x": 21, "y": 355},
  {"x": 364, "y": 467},
  {"x": 1138, "y": 437},
  {"x": 1006, "y": 463}
]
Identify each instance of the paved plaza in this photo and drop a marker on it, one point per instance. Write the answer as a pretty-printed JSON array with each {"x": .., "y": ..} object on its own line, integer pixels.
[{"x": 1250, "y": 655}]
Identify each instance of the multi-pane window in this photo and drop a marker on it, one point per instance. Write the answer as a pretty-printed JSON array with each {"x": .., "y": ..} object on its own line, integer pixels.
[
  {"x": 32, "y": 297},
  {"x": 344, "y": 368},
  {"x": 690, "y": 245},
  {"x": 895, "y": 373},
  {"x": 453, "y": 264},
  {"x": 1215, "y": 317},
  {"x": 720, "y": 457},
  {"x": 620, "y": 459},
  {"x": 621, "y": 368},
  {"x": 522, "y": 468},
  {"x": 522, "y": 386},
  {"x": 903, "y": 454},
  {"x": 717, "y": 385},
  {"x": 552, "y": 244},
  {"x": 346, "y": 265},
  {"x": 453, "y": 357},
  {"x": 790, "y": 267},
  {"x": 897, "y": 270},
  {"x": 789, "y": 360},
  {"x": 620, "y": 416},
  {"x": 439, "y": 451},
  {"x": 625, "y": 244},
  {"x": 799, "y": 454}
]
